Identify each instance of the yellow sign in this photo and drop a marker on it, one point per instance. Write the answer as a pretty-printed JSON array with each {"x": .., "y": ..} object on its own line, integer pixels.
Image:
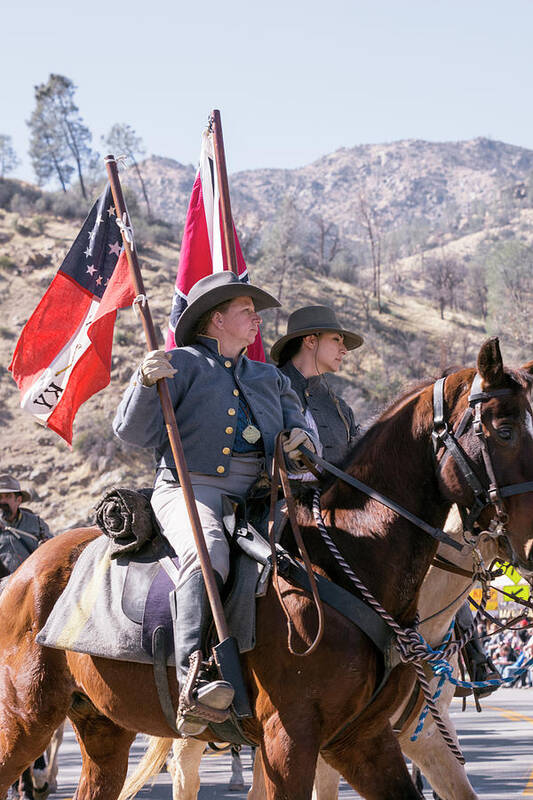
[
  {"x": 492, "y": 602},
  {"x": 510, "y": 572},
  {"x": 518, "y": 591}
]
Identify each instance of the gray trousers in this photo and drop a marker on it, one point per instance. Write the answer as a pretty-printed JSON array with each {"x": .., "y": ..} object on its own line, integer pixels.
[{"x": 170, "y": 510}]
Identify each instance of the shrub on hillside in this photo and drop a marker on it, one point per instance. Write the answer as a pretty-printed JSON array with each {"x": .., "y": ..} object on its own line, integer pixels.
[
  {"x": 9, "y": 189},
  {"x": 150, "y": 233},
  {"x": 68, "y": 205}
]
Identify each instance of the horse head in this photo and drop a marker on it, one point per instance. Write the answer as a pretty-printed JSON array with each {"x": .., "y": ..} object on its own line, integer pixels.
[{"x": 484, "y": 453}]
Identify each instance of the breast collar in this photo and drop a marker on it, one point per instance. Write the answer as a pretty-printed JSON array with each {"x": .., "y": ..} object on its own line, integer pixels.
[{"x": 486, "y": 491}]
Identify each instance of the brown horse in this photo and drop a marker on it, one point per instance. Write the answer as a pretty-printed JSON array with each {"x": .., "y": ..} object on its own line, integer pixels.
[{"x": 301, "y": 705}]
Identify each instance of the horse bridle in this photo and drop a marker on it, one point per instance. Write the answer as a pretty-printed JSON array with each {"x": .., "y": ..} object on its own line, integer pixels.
[{"x": 486, "y": 493}]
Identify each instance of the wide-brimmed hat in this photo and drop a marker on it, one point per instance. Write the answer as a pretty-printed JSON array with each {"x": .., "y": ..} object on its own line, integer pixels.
[
  {"x": 9, "y": 484},
  {"x": 314, "y": 319},
  {"x": 212, "y": 290}
]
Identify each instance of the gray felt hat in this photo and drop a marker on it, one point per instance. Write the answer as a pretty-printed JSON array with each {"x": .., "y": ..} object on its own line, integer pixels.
[
  {"x": 212, "y": 290},
  {"x": 314, "y": 319},
  {"x": 9, "y": 484}
]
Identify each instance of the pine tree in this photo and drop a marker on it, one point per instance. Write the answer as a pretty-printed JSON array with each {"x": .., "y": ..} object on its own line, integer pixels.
[{"x": 60, "y": 141}]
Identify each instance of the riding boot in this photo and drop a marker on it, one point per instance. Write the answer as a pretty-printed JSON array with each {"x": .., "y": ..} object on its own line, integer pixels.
[
  {"x": 481, "y": 667},
  {"x": 202, "y": 700}
]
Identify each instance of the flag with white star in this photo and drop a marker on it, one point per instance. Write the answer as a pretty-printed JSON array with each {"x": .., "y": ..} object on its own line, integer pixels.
[{"x": 63, "y": 355}]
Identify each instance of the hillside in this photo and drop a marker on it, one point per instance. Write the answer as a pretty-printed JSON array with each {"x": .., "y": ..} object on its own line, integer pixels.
[
  {"x": 409, "y": 338},
  {"x": 445, "y": 186}
]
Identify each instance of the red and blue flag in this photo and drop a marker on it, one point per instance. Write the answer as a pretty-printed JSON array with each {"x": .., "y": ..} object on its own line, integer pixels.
[{"x": 63, "y": 355}]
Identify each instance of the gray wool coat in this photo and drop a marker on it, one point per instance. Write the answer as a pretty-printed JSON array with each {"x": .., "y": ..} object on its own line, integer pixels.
[
  {"x": 14, "y": 546},
  {"x": 205, "y": 395},
  {"x": 334, "y": 418}
]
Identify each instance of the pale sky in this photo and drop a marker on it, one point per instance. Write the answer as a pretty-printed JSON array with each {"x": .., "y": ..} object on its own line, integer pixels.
[{"x": 294, "y": 80}]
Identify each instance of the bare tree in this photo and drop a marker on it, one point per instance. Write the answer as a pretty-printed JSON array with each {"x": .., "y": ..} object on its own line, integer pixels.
[
  {"x": 281, "y": 247},
  {"x": 444, "y": 277},
  {"x": 368, "y": 220},
  {"x": 122, "y": 140},
  {"x": 327, "y": 243}
]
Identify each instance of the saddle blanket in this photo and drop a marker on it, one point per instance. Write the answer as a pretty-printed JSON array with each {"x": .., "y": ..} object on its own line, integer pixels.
[{"x": 88, "y": 617}]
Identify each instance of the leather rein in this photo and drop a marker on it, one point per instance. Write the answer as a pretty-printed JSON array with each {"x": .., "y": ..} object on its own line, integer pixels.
[{"x": 442, "y": 436}]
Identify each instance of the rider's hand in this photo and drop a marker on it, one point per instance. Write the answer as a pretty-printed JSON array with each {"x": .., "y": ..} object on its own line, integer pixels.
[
  {"x": 292, "y": 441},
  {"x": 156, "y": 365}
]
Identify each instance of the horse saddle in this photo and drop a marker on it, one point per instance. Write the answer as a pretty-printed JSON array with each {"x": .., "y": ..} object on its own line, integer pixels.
[
  {"x": 152, "y": 571},
  {"x": 147, "y": 587}
]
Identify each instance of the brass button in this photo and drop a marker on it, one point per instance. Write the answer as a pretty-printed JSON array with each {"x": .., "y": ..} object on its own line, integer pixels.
[
  {"x": 226, "y": 451},
  {"x": 227, "y": 363},
  {"x": 236, "y": 392},
  {"x": 229, "y": 429},
  {"x": 306, "y": 392},
  {"x": 231, "y": 412},
  {"x": 221, "y": 469}
]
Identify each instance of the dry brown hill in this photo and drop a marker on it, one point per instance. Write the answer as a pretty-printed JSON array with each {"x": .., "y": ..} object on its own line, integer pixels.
[{"x": 404, "y": 342}]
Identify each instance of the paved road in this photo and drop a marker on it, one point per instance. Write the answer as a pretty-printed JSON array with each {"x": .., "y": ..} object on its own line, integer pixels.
[{"x": 498, "y": 745}]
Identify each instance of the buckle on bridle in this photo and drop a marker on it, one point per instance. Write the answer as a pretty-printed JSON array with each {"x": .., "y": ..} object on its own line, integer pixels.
[
  {"x": 497, "y": 526},
  {"x": 438, "y": 434}
]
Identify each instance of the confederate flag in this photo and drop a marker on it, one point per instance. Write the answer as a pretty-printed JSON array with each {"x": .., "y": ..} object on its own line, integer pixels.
[
  {"x": 202, "y": 247},
  {"x": 63, "y": 355}
]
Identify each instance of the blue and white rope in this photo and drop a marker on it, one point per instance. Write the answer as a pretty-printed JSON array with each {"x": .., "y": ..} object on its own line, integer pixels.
[{"x": 410, "y": 644}]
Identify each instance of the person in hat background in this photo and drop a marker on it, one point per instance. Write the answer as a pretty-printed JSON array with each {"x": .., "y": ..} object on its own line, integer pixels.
[
  {"x": 21, "y": 532},
  {"x": 229, "y": 411},
  {"x": 315, "y": 344}
]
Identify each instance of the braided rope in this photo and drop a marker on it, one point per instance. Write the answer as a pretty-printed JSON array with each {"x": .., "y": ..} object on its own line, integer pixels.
[{"x": 410, "y": 644}]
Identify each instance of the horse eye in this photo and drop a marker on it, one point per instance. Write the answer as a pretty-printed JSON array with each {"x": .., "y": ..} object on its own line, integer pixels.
[{"x": 505, "y": 432}]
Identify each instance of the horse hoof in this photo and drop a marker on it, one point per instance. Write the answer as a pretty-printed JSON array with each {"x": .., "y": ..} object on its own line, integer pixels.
[{"x": 236, "y": 787}]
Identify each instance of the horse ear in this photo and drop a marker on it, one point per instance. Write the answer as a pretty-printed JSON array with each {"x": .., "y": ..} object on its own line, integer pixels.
[{"x": 489, "y": 362}]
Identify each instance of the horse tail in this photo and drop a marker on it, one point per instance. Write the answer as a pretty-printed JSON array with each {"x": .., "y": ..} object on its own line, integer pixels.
[{"x": 149, "y": 766}]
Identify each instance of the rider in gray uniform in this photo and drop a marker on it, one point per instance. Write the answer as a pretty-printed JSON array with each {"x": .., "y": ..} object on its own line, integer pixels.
[
  {"x": 229, "y": 410},
  {"x": 21, "y": 531},
  {"x": 315, "y": 344}
]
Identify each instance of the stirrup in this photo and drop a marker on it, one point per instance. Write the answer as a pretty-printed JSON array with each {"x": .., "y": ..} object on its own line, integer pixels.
[{"x": 210, "y": 703}]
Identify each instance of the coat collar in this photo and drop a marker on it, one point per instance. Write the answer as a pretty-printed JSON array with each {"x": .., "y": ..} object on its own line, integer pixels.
[
  {"x": 213, "y": 345},
  {"x": 298, "y": 381}
]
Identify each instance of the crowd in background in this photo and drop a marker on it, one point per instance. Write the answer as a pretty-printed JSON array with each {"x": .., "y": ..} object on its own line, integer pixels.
[{"x": 510, "y": 650}]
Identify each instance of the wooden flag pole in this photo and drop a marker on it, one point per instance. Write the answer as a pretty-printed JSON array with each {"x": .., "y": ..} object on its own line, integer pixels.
[
  {"x": 166, "y": 405},
  {"x": 223, "y": 186}
]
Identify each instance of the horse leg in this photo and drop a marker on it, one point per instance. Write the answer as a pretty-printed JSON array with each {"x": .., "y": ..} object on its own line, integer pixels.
[
  {"x": 257, "y": 789},
  {"x": 51, "y": 754},
  {"x": 289, "y": 759},
  {"x": 105, "y": 748},
  {"x": 374, "y": 766},
  {"x": 326, "y": 781},
  {"x": 184, "y": 768},
  {"x": 35, "y": 694},
  {"x": 236, "y": 782},
  {"x": 438, "y": 764}
]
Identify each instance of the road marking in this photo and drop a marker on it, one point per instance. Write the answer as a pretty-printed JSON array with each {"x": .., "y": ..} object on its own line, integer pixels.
[{"x": 516, "y": 716}]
